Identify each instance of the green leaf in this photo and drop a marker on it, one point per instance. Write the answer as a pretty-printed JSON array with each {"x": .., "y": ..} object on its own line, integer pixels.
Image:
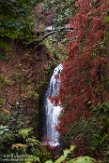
[
  {"x": 64, "y": 156},
  {"x": 1, "y": 102},
  {"x": 35, "y": 158},
  {"x": 24, "y": 132},
  {"x": 72, "y": 147},
  {"x": 49, "y": 161},
  {"x": 106, "y": 19},
  {"x": 84, "y": 159},
  {"x": 31, "y": 158}
]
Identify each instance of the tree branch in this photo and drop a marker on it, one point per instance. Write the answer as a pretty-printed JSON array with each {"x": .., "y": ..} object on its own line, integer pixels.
[{"x": 53, "y": 31}]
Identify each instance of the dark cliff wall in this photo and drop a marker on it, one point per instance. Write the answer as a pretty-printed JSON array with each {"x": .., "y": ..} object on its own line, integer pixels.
[{"x": 22, "y": 79}]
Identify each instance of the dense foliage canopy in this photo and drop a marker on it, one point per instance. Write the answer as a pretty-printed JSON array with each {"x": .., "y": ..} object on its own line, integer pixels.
[
  {"x": 84, "y": 90},
  {"x": 16, "y": 20}
]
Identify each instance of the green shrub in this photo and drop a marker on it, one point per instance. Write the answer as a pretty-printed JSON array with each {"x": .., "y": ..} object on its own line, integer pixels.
[{"x": 65, "y": 158}]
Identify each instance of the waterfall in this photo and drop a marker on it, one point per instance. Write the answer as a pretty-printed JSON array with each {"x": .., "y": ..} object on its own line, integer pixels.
[{"x": 52, "y": 112}]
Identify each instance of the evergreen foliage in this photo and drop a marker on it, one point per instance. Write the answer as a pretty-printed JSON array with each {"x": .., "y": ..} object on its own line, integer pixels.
[
  {"x": 16, "y": 20},
  {"x": 64, "y": 10}
]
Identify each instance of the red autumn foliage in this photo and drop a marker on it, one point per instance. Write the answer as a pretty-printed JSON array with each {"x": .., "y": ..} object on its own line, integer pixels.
[{"x": 86, "y": 69}]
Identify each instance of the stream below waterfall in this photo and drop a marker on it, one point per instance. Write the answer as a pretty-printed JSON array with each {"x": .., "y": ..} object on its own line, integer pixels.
[{"x": 51, "y": 111}]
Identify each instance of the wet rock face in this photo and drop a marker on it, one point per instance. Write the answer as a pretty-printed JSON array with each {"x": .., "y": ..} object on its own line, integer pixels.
[{"x": 22, "y": 73}]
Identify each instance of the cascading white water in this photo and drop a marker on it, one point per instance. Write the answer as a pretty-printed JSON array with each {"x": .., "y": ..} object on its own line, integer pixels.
[{"x": 52, "y": 112}]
